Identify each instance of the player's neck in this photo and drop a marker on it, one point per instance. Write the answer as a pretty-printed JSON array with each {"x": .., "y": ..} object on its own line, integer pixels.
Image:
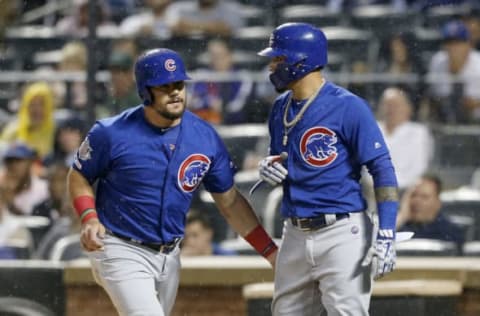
[{"x": 307, "y": 86}]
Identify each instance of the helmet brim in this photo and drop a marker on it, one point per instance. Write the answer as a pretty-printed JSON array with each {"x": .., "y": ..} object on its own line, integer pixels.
[
  {"x": 167, "y": 80},
  {"x": 270, "y": 52}
]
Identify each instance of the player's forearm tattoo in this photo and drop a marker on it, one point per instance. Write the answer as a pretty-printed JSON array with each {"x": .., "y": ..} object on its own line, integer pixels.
[{"x": 384, "y": 194}]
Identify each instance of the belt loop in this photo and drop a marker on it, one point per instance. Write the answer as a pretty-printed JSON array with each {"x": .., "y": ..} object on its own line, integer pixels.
[{"x": 330, "y": 219}]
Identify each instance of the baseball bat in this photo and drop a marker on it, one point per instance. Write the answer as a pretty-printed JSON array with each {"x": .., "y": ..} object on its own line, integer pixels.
[{"x": 282, "y": 157}]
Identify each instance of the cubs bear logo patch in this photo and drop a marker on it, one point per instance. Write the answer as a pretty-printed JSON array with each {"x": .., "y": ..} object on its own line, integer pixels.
[
  {"x": 85, "y": 151},
  {"x": 191, "y": 172},
  {"x": 317, "y": 146}
]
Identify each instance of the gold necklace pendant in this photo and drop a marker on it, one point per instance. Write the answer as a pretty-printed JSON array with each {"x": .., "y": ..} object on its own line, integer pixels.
[{"x": 288, "y": 126}]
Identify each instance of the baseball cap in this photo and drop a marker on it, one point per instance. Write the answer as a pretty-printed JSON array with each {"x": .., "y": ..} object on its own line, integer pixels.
[
  {"x": 120, "y": 60},
  {"x": 19, "y": 151},
  {"x": 455, "y": 30}
]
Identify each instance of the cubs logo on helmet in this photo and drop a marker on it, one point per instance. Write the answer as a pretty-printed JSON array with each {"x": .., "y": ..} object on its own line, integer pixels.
[
  {"x": 191, "y": 172},
  {"x": 317, "y": 146},
  {"x": 170, "y": 64}
]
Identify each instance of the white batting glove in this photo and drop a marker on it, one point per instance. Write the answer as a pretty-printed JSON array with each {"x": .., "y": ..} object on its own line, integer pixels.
[
  {"x": 381, "y": 256},
  {"x": 271, "y": 170}
]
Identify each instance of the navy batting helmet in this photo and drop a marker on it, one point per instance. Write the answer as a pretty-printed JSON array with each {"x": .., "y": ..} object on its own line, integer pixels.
[
  {"x": 155, "y": 68},
  {"x": 304, "y": 47}
]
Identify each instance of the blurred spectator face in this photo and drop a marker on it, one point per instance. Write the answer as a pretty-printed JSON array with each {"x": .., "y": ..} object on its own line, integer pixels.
[
  {"x": 56, "y": 185},
  {"x": 457, "y": 51},
  {"x": 18, "y": 169},
  {"x": 395, "y": 108},
  {"x": 221, "y": 58},
  {"x": 399, "y": 50},
  {"x": 69, "y": 139},
  {"x": 36, "y": 110},
  {"x": 207, "y": 3},
  {"x": 121, "y": 81},
  {"x": 425, "y": 202},
  {"x": 158, "y": 4},
  {"x": 198, "y": 239}
]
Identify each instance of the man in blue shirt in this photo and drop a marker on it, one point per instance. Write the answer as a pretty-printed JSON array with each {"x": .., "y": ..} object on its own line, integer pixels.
[{"x": 147, "y": 163}]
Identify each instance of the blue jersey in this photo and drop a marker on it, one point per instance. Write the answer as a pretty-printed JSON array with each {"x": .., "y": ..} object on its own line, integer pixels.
[
  {"x": 146, "y": 176},
  {"x": 326, "y": 150}
]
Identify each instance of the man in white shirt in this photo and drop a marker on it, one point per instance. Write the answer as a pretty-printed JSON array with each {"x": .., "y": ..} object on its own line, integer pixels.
[
  {"x": 454, "y": 76},
  {"x": 410, "y": 143}
]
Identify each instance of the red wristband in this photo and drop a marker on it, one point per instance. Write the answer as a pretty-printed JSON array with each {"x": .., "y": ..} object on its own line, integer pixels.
[
  {"x": 85, "y": 207},
  {"x": 260, "y": 240}
]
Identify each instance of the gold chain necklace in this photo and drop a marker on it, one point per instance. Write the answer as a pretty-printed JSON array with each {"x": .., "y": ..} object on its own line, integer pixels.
[{"x": 288, "y": 126}]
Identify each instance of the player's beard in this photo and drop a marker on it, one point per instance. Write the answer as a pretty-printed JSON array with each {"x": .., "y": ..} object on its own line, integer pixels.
[{"x": 171, "y": 115}]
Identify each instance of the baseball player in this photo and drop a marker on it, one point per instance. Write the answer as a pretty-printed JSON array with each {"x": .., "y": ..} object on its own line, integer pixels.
[
  {"x": 326, "y": 134},
  {"x": 146, "y": 163}
]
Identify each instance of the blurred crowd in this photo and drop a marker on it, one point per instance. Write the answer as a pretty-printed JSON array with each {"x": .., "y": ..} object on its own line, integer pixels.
[{"x": 417, "y": 78}]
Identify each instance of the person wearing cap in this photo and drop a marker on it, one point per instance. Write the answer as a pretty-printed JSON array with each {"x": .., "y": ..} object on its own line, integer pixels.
[
  {"x": 454, "y": 77},
  {"x": 22, "y": 188},
  {"x": 122, "y": 93}
]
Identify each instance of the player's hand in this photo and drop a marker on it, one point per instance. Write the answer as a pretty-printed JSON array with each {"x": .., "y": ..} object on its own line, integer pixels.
[
  {"x": 381, "y": 256},
  {"x": 92, "y": 234},
  {"x": 271, "y": 170}
]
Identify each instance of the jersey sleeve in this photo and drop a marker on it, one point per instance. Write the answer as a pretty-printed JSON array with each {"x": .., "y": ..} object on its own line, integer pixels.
[
  {"x": 362, "y": 132},
  {"x": 92, "y": 157},
  {"x": 222, "y": 169}
]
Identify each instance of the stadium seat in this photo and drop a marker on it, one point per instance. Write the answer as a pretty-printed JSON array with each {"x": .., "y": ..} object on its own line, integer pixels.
[
  {"x": 67, "y": 248},
  {"x": 426, "y": 247},
  {"x": 252, "y": 38},
  {"x": 471, "y": 249},
  {"x": 314, "y": 14},
  {"x": 437, "y": 16},
  {"x": 241, "y": 138},
  {"x": 16, "y": 306},
  {"x": 383, "y": 21},
  {"x": 352, "y": 44}
]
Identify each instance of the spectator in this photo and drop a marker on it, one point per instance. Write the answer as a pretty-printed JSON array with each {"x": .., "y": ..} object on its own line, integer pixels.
[
  {"x": 22, "y": 188},
  {"x": 206, "y": 17},
  {"x": 72, "y": 95},
  {"x": 154, "y": 20},
  {"x": 199, "y": 237},
  {"x": 420, "y": 212},
  {"x": 11, "y": 231},
  {"x": 57, "y": 207},
  {"x": 400, "y": 55},
  {"x": 122, "y": 92},
  {"x": 221, "y": 101},
  {"x": 404, "y": 137},
  {"x": 76, "y": 24},
  {"x": 458, "y": 101},
  {"x": 34, "y": 124},
  {"x": 68, "y": 137}
]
